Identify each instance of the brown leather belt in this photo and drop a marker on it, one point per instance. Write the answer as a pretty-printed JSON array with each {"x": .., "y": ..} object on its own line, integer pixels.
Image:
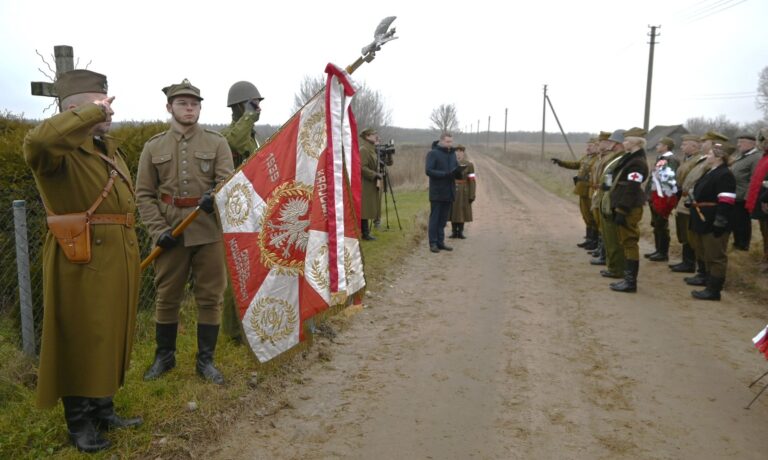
[
  {"x": 113, "y": 219},
  {"x": 190, "y": 202},
  {"x": 461, "y": 181},
  {"x": 704, "y": 204}
]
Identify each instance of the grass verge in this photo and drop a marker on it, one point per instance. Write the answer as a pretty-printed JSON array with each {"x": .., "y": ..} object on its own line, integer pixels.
[{"x": 182, "y": 414}]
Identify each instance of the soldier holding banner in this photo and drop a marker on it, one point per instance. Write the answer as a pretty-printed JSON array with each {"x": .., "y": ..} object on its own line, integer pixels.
[{"x": 178, "y": 170}]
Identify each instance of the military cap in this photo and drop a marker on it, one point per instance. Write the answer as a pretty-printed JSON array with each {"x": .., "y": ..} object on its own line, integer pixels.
[
  {"x": 604, "y": 135},
  {"x": 668, "y": 141},
  {"x": 185, "y": 88},
  {"x": 461, "y": 147},
  {"x": 80, "y": 81},
  {"x": 723, "y": 149},
  {"x": 368, "y": 131},
  {"x": 691, "y": 137},
  {"x": 714, "y": 136},
  {"x": 617, "y": 136},
  {"x": 747, "y": 136},
  {"x": 635, "y": 132}
]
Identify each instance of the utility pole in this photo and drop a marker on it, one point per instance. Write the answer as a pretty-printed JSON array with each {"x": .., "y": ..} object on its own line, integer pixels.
[
  {"x": 488, "y": 138},
  {"x": 647, "y": 117},
  {"x": 64, "y": 56},
  {"x": 505, "y": 130},
  {"x": 543, "y": 120},
  {"x": 478, "y": 131}
]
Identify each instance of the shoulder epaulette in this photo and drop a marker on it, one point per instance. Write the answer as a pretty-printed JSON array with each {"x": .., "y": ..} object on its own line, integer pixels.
[
  {"x": 213, "y": 132},
  {"x": 156, "y": 136}
]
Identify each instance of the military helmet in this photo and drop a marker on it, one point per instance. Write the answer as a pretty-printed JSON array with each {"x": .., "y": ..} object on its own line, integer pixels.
[{"x": 242, "y": 91}]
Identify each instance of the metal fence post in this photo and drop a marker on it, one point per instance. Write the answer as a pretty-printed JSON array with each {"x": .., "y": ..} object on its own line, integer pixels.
[{"x": 22, "y": 268}]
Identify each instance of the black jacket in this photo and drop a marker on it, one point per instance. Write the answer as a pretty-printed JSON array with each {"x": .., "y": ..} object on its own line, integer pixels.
[
  {"x": 716, "y": 186},
  {"x": 441, "y": 167},
  {"x": 627, "y": 192}
]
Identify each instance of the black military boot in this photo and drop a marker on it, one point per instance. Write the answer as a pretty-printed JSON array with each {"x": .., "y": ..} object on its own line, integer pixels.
[
  {"x": 610, "y": 274},
  {"x": 700, "y": 278},
  {"x": 648, "y": 255},
  {"x": 165, "y": 354},
  {"x": 82, "y": 432},
  {"x": 629, "y": 283},
  {"x": 587, "y": 238},
  {"x": 688, "y": 265},
  {"x": 207, "y": 334},
  {"x": 104, "y": 416},
  {"x": 598, "y": 247},
  {"x": 460, "y": 234},
  {"x": 600, "y": 256},
  {"x": 366, "y": 230},
  {"x": 662, "y": 255},
  {"x": 712, "y": 291},
  {"x": 591, "y": 243},
  {"x": 454, "y": 231}
]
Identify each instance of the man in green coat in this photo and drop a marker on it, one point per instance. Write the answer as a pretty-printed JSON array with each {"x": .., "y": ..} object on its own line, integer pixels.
[
  {"x": 89, "y": 308},
  {"x": 581, "y": 189},
  {"x": 614, "y": 254},
  {"x": 245, "y": 101},
  {"x": 371, "y": 181}
]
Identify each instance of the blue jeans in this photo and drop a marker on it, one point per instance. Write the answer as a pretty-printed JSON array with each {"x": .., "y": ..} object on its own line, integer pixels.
[{"x": 438, "y": 217}]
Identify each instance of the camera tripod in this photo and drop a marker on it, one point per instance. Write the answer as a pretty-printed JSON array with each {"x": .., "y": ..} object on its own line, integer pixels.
[{"x": 388, "y": 188}]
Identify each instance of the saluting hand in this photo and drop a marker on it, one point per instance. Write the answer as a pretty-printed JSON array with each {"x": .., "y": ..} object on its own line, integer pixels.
[{"x": 106, "y": 105}]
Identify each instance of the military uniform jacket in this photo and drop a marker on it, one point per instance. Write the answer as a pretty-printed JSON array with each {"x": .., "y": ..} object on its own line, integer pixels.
[
  {"x": 90, "y": 309},
  {"x": 596, "y": 176},
  {"x": 743, "y": 166},
  {"x": 627, "y": 188},
  {"x": 369, "y": 168},
  {"x": 718, "y": 186},
  {"x": 581, "y": 180},
  {"x": 461, "y": 209},
  {"x": 440, "y": 166},
  {"x": 687, "y": 175},
  {"x": 241, "y": 137},
  {"x": 183, "y": 166}
]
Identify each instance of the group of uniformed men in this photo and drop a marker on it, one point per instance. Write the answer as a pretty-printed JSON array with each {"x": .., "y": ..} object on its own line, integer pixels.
[
  {"x": 91, "y": 282},
  {"x": 716, "y": 188}
]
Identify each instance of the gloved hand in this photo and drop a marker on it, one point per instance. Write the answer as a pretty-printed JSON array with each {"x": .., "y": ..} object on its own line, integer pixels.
[
  {"x": 555, "y": 161},
  {"x": 457, "y": 172},
  {"x": 619, "y": 219},
  {"x": 166, "y": 240},
  {"x": 206, "y": 202},
  {"x": 719, "y": 225}
]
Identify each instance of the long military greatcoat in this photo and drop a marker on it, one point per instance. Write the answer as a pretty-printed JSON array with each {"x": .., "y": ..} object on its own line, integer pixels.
[
  {"x": 369, "y": 165},
  {"x": 89, "y": 309},
  {"x": 461, "y": 209}
]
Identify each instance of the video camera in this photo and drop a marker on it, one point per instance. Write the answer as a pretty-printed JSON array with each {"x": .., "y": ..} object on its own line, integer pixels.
[{"x": 386, "y": 151}]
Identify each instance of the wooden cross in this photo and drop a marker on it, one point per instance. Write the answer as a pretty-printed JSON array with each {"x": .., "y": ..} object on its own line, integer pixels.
[{"x": 64, "y": 63}]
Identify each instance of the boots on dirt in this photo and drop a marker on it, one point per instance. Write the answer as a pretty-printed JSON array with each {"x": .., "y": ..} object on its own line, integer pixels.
[
  {"x": 165, "y": 354},
  {"x": 629, "y": 283},
  {"x": 82, "y": 432}
]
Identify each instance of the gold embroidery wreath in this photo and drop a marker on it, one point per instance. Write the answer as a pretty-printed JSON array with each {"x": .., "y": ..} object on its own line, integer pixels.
[
  {"x": 268, "y": 258},
  {"x": 272, "y": 314},
  {"x": 312, "y": 136},
  {"x": 238, "y": 205}
]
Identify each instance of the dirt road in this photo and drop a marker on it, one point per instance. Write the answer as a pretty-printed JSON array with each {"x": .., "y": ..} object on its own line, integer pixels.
[{"x": 512, "y": 346}]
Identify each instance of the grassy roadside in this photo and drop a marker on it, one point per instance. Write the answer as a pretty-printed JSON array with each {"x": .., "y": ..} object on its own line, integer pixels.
[{"x": 182, "y": 413}]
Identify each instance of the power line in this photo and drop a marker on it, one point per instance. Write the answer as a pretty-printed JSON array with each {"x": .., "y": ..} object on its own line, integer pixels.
[
  {"x": 728, "y": 7},
  {"x": 706, "y": 8}
]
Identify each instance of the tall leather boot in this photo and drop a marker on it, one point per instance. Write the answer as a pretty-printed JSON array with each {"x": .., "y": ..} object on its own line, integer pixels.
[
  {"x": 207, "y": 334},
  {"x": 454, "y": 230},
  {"x": 591, "y": 244},
  {"x": 688, "y": 265},
  {"x": 600, "y": 256},
  {"x": 165, "y": 354},
  {"x": 648, "y": 255},
  {"x": 712, "y": 291},
  {"x": 82, "y": 432},
  {"x": 460, "y": 233},
  {"x": 587, "y": 238},
  {"x": 700, "y": 278},
  {"x": 104, "y": 416},
  {"x": 662, "y": 255},
  {"x": 629, "y": 283}
]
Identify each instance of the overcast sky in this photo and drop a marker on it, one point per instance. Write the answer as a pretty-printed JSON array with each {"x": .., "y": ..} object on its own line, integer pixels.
[{"x": 483, "y": 56}]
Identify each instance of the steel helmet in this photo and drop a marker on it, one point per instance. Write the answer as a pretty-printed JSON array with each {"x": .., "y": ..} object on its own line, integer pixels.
[{"x": 242, "y": 91}]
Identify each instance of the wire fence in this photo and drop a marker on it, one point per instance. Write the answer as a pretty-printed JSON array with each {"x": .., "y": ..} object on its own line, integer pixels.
[{"x": 10, "y": 285}]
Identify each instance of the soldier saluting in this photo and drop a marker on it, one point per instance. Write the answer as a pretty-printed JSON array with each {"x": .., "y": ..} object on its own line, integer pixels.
[
  {"x": 90, "y": 293},
  {"x": 178, "y": 169}
]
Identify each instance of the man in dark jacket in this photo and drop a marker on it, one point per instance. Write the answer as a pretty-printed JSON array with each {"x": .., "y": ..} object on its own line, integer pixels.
[
  {"x": 627, "y": 200},
  {"x": 442, "y": 168}
]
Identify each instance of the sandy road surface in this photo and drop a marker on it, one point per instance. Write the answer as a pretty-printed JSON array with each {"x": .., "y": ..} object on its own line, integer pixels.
[{"x": 512, "y": 346}]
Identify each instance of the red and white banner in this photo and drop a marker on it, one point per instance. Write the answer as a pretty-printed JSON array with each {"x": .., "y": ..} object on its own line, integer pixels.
[
  {"x": 761, "y": 341},
  {"x": 289, "y": 218}
]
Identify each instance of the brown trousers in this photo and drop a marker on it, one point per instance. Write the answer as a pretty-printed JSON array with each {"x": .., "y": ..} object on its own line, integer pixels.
[
  {"x": 208, "y": 270},
  {"x": 629, "y": 234}
]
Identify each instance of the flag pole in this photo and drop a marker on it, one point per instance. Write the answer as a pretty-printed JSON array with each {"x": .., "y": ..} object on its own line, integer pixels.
[{"x": 382, "y": 35}]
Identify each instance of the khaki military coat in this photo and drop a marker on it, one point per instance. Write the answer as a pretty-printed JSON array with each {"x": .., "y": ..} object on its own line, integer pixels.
[
  {"x": 688, "y": 173},
  {"x": 89, "y": 309},
  {"x": 241, "y": 137},
  {"x": 743, "y": 166},
  {"x": 582, "y": 179},
  {"x": 369, "y": 166},
  {"x": 184, "y": 166},
  {"x": 461, "y": 209}
]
